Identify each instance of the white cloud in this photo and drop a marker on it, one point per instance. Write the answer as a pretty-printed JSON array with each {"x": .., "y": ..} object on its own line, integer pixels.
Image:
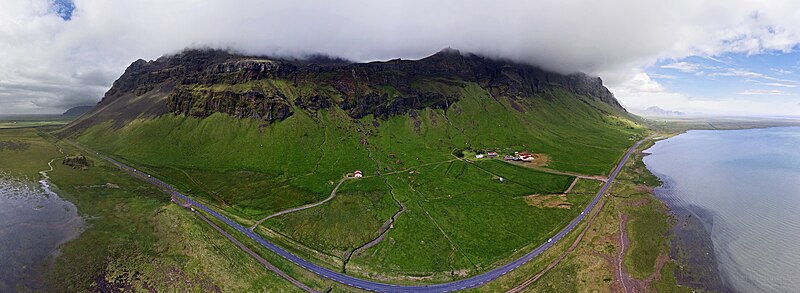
[
  {"x": 662, "y": 76},
  {"x": 736, "y": 72},
  {"x": 701, "y": 105},
  {"x": 774, "y": 84},
  {"x": 640, "y": 83},
  {"x": 683, "y": 66},
  {"x": 764, "y": 92},
  {"x": 615, "y": 39},
  {"x": 781, "y": 71}
]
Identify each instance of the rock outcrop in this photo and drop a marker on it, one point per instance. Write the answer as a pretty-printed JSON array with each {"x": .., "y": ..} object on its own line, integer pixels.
[
  {"x": 78, "y": 161},
  {"x": 202, "y": 82}
]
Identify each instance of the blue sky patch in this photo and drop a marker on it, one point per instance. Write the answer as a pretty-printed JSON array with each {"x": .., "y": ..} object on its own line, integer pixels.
[
  {"x": 63, "y": 8},
  {"x": 773, "y": 74}
]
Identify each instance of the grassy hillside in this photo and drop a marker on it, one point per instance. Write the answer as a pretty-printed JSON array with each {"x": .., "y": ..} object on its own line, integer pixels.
[{"x": 459, "y": 219}]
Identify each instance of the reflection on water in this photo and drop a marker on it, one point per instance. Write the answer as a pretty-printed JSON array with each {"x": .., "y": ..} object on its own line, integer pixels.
[
  {"x": 749, "y": 183},
  {"x": 33, "y": 223}
]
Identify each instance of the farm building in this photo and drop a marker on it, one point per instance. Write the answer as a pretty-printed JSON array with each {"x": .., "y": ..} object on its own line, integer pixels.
[
  {"x": 526, "y": 156},
  {"x": 358, "y": 174},
  {"x": 492, "y": 154},
  {"x": 479, "y": 156}
]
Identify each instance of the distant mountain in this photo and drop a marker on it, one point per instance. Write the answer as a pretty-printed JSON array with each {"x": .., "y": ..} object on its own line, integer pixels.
[
  {"x": 77, "y": 111},
  {"x": 657, "y": 111}
]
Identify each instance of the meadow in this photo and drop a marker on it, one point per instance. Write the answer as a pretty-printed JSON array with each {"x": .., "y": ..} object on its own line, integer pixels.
[
  {"x": 25, "y": 121},
  {"x": 134, "y": 237},
  {"x": 458, "y": 218}
]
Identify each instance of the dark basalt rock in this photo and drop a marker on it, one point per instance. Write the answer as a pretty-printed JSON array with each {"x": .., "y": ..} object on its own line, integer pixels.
[
  {"x": 250, "y": 104},
  {"x": 78, "y": 161},
  {"x": 188, "y": 80}
]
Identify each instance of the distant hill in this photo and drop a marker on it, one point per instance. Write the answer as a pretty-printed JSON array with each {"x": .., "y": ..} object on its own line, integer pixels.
[
  {"x": 77, "y": 111},
  {"x": 657, "y": 111}
]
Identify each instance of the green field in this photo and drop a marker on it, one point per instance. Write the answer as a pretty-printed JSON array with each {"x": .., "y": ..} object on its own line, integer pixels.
[
  {"x": 462, "y": 219},
  {"x": 586, "y": 269},
  {"x": 459, "y": 219},
  {"x": 134, "y": 237},
  {"x": 24, "y": 121}
]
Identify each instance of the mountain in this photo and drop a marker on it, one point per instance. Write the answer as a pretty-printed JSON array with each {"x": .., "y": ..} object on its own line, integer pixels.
[
  {"x": 214, "y": 106},
  {"x": 659, "y": 112},
  {"x": 251, "y": 136},
  {"x": 202, "y": 82},
  {"x": 77, "y": 111}
]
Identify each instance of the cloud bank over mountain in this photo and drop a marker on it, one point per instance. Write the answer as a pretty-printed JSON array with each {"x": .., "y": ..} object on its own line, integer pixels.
[{"x": 56, "y": 54}]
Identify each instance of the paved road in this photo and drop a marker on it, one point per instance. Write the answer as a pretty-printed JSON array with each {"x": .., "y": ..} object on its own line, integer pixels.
[
  {"x": 351, "y": 281},
  {"x": 260, "y": 259}
]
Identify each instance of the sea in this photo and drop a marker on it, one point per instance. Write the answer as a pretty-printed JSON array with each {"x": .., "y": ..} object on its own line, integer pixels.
[{"x": 744, "y": 185}]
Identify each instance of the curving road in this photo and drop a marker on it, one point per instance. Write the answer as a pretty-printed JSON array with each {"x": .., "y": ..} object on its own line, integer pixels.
[{"x": 472, "y": 282}]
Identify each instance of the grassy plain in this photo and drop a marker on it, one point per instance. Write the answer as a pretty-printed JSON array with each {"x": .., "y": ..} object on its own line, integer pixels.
[
  {"x": 462, "y": 220},
  {"x": 586, "y": 269},
  {"x": 459, "y": 218},
  {"x": 134, "y": 238},
  {"x": 680, "y": 124},
  {"x": 25, "y": 121}
]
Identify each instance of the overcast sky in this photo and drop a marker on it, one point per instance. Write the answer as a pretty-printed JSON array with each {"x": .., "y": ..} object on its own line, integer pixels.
[{"x": 688, "y": 55}]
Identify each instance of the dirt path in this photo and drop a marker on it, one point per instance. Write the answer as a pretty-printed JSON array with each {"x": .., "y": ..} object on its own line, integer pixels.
[
  {"x": 571, "y": 185},
  {"x": 300, "y": 208},
  {"x": 555, "y": 262},
  {"x": 389, "y": 224},
  {"x": 624, "y": 281},
  {"x": 333, "y": 193},
  {"x": 558, "y": 172},
  {"x": 260, "y": 259}
]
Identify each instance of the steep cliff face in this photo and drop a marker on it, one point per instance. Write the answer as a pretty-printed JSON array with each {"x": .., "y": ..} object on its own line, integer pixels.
[{"x": 202, "y": 82}]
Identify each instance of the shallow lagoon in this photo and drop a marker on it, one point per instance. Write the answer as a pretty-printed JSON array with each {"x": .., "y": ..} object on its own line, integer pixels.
[{"x": 34, "y": 221}]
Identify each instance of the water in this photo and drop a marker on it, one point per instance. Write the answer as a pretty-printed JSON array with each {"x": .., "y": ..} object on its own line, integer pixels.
[
  {"x": 34, "y": 221},
  {"x": 748, "y": 182}
]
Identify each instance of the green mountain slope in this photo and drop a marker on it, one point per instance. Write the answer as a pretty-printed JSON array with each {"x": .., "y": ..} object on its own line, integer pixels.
[{"x": 254, "y": 136}]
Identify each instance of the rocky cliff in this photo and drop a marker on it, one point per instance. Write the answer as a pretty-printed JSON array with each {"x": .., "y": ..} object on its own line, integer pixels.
[{"x": 202, "y": 82}]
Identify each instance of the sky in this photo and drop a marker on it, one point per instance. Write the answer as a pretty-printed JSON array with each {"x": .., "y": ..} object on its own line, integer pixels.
[{"x": 727, "y": 57}]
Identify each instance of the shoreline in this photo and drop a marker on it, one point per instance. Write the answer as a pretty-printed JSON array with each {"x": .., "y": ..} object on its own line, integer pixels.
[{"x": 691, "y": 245}]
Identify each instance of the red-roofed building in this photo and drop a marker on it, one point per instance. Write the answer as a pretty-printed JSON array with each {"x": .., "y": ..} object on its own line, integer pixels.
[
  {"x": 358, "y": 174},
  {"x": 526, "y": 156}
]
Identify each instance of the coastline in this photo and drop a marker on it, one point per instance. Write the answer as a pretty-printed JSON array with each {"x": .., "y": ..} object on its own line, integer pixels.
[
  {"x": 690, "y": 244},
  {"x": 758, "y": 257}
]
